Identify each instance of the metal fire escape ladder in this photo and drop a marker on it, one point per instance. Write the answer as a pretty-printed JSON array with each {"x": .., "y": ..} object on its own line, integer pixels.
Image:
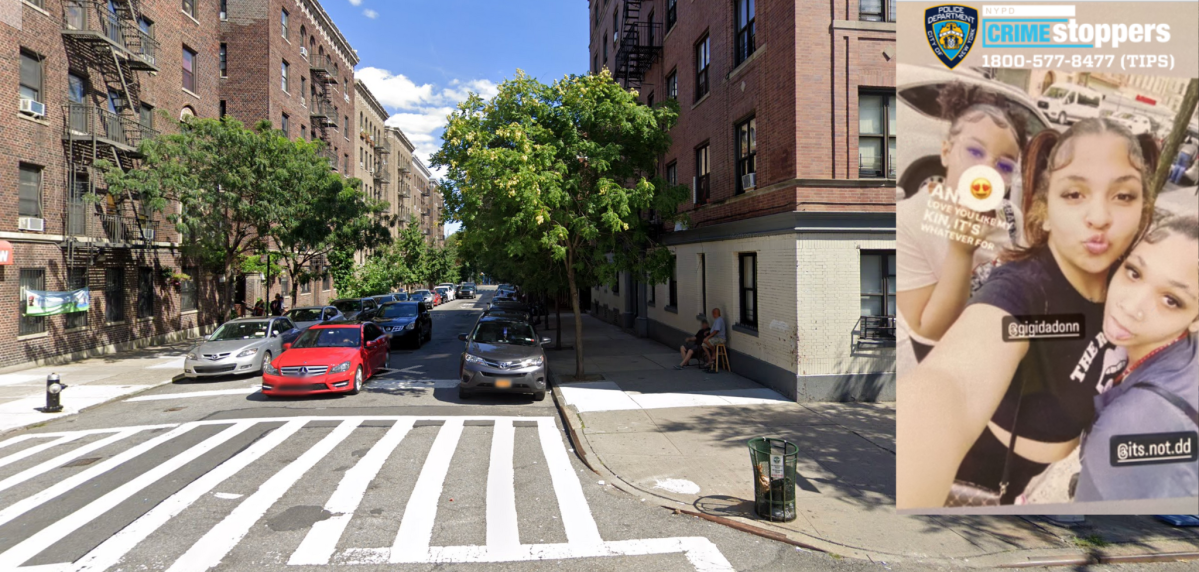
[{"x": 640, "y": 46}]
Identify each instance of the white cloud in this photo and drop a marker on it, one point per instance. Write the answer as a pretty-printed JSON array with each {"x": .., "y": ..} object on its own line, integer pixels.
[
  {"x": 370, "y": 13},
  {"x": 356, "y": 2},
  {"x": 421, "y": 110}
]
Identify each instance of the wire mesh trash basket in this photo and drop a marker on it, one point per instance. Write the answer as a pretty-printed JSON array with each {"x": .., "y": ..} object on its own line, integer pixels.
[{"x": 774, "y": 478}]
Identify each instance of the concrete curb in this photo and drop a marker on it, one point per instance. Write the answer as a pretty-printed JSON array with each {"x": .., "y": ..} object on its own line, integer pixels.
[
  {"x": 1065, "y": 556},
  {"x": 11, "y": 430}
]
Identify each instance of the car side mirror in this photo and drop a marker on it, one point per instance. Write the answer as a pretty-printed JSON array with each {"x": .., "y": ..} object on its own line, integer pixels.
[
  {"x": 545, "y": 340},
  {"x": 208, "y": 337},
  {"x": 462, "y": 337},
  {"x": 286, "y": 347},
  {"x": 275, "y": 334}
]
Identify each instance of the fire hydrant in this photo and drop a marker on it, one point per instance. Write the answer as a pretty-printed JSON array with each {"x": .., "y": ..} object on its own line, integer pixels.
[{"x": 53, "y": 391}]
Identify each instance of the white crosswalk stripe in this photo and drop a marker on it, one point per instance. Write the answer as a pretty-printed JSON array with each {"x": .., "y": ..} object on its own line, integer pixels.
[{"x": 325, "y": 542}]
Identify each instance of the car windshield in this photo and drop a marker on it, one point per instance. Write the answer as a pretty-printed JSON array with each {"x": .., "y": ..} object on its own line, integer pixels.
[
  {"x": 383, "y": 299},
  {"x": 421, "y": 293},
  {"x": 239, "y": 331},
  {"x": 399, "y": 311},
  {"x": 348, "y": 305},
  {"x": 441, "y": 290},
  {"x": 504, "y": 332},
  {"x": 1056, "y": 93},
  {"x": 401, "y": 297},
  {"x": 329, "y": 338},
  {"x": 305, "y": 315}
]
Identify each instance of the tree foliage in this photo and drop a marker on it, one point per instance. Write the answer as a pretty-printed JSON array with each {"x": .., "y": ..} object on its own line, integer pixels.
[{"x": 560, "y": 174}]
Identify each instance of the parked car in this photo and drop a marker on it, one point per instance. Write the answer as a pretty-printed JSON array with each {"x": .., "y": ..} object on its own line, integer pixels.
[
  {"x": 451, "y": 290},
  {"x": 401, "y": 296},
  {"x": 1065, "y": 103},
  {"x": 425, "y": 296},
  {"x": 307, "y": 316},
  {"x": 467, "y": 290},
  {"x": 1135, "y": 123},
  {"x": 446, "y": 296},
  {"x": 356, "y": 308},
  {"x": 384, "y": 298},
  {"x": 502, "y": 355},
  {"x": 407, "y": 322},
  {"x": 240, "y": 346},
  {"x": 328, "y": 358},
  {"x": 924, "y": 129},
  {"x": 508, "y": 305}
]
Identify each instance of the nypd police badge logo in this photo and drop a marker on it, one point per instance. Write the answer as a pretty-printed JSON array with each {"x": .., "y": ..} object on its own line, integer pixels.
[{"x": 951, "y": 30}]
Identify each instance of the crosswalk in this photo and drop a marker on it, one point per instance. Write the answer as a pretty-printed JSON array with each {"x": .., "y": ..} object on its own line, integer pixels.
[{"x": 209, "y": 486}]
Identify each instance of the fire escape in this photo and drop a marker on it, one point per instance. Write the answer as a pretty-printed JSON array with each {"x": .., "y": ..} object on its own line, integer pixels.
[
  {"x": 110, "y": 39},
  {"x": 320, "y": 108},
  {"x": 639, "y": 47}
]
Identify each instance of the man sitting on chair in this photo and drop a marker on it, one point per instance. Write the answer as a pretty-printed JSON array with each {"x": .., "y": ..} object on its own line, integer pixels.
[{"x": 715, "y": 337}]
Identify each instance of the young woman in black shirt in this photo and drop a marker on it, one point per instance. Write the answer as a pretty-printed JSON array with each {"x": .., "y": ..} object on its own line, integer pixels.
[{"x": 1087, "y": 199}]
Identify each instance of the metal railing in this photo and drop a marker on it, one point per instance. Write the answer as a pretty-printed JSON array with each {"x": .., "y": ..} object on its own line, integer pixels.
[
  {"x": 382, "y": 175},
  {"x": 320, "y": 106},
  {"x": 874, "y": 167},
  {"x": 320, "y": 64},
  {"x": 328, "y": 153},
  {"x": 383, "y": 146},
  {"x": 92, "y": 18},
  {"x": 84, "y": 220},
  {"x": 873, "y": 330},
  {"x": 86, "y": 121}
]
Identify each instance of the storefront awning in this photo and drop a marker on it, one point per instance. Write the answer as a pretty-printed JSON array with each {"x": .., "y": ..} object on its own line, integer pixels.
[{"x": 6, "y": 253}]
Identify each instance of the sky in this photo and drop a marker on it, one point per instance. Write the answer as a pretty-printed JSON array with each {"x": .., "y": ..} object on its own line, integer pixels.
[{"x": 420, "y": 58}]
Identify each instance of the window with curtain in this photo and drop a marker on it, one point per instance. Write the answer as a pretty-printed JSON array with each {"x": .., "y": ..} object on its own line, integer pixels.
[
  {"x": 703, "y": 57},
  {"x": 747, "y": 154},
  {"x": 672, "y": 85},
  {"x": 224, "y": 60},
  {"x": 876, "y": 10},
  {"x": 703, "y": 174},
  {"x": 672, "y": 13},
  {"x": 283, "y": 22},
  {"x": 189, "y": 70},
  {"x": 31, "y": 76},
  {"x": 285, "y": 70},
  {"x": 878, "y": 283},
  {"x": 876, "y": 135},
  {"x": 30, "y": 201},
  {"x": 31, "y": 279},
  {"x": 189, "y": 7}
]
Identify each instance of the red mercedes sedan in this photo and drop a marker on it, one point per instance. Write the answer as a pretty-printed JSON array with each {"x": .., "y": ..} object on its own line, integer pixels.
[{"x": 328, "y": 358}]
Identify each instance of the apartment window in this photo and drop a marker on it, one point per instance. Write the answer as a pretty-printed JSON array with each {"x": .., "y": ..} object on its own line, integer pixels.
[
  {"x": 749, "y": 290},
  {"x": 651, "y": 294},
  {"x": 672, "y": 13},
  {"x": 876, "y": 10},
  {"x": 615, "y": 28},
  {"x": 595, "y": 63},
  {"x": 31, "y": 76},
  {"x": 746, "y": 30},
  {"x": 304, "y": 132},
  {"x": 285, "y": 124},
  {"x": 189, "y": 7},
  {"x": 30, "y": 202},
  {"x": 285, "y": 69},
  {"x": 703, "y": 175},
  {"x": 114, "y": 295},
  {"x": 306, "y": 286},
  {"x": 303, "y": 88},
  {"x": 31, "y": 279},
  {"x": 224, "y": 9},
  {"x": 747, "y": 155},
  {"x": 703, "y": 57},
  {"x": 326, "y": 281},
  {"x": 649, "y": 99},
  {"x": 672, "y": 290},
  {"x": 672, "y": 85},
  {"x": 189, "y": 70},
  {"x": 146, "y": 115},
  {"x": 188, "y": 290},
  {"x": 145, "y": 292},
  {"x": 76, "y": 279},
  {"x": 672, "y": 173},
  {"x": 605, "y": 42},
  {"x": 224, "y": 60},
  {"x": 222, "y": 108},
  {"x": 878, "y": 283},
  {"x": 345, "y": 129},
  {"x": 146, "y": 25},
  {"x": 876, "y": 135},
  {"x": 283, "y": 23}
]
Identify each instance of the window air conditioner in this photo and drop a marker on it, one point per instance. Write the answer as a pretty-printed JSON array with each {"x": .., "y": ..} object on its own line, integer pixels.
[
  {"x": 303, "y": 51},
  {"x": 147, "y": 234},
  {"x": 31, "y": 223},
  {"x": 749, "y": 181},
  {"x": 34, "y": 108}
]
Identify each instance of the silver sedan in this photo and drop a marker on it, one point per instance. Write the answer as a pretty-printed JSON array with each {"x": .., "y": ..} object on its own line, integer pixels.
[{"x": 239, "y": 346}]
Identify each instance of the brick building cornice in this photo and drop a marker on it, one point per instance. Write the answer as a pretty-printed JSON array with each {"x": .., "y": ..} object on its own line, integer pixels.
[
  {"x": 332, "y": 34},
  {"x": 370, "y": 99}
]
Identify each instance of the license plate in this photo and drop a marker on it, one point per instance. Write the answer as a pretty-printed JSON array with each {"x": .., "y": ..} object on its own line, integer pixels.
[{"x": 503, "y": 383}]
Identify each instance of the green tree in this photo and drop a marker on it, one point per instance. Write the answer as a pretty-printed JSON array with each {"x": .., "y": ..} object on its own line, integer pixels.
[
  {"x": 566, "y": 170},
  {"x": 223, "y": 177}
]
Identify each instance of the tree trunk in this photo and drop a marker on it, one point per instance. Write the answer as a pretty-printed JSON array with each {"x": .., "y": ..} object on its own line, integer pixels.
[
  {"x": 1174, "y": 140},
  {"x": 558, "y": 311},
  {"x": 574, "y": 303}
]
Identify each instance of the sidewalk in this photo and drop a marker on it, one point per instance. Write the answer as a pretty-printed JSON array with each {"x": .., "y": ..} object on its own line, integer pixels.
[
  {"x": 90, "y": 382},
  {"x": 678, "y": 438}
]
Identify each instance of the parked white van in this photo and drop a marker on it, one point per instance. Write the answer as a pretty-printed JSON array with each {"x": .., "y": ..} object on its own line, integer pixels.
[{"x": 1065, "y": 103}]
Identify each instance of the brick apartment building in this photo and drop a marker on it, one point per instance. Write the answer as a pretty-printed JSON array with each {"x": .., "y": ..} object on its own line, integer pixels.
[
  {"x": 285, "y": 61},
  {"x": 404, "y": 205},
  {"x": 429, "y": 203},
  {"x": 87, "y": 80},
  {"x": 786, "y": 137}
]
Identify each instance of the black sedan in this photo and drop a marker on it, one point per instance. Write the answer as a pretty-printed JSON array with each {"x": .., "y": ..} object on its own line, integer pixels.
[
  {"x": 408, "y": 322},
  {"x": 357, "y": 308}
]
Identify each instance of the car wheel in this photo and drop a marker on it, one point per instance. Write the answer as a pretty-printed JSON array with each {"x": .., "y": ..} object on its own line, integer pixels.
[
  {"x": 465, "y": 394},
  {"x": 1061, "y": 118},
  {"x": 539, "y": 396},
  {"x": 357, "y": 382},
  {"x": 266, "y": 358}
]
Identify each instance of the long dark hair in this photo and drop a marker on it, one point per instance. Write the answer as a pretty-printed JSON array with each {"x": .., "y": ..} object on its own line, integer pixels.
[{"x": 1049, "y": 151}]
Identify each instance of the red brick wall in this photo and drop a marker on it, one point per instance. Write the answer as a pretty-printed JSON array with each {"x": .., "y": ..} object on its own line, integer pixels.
[{"x": 801, "y": 86}]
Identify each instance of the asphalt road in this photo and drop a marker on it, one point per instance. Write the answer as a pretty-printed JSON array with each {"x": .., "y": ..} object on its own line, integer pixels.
[{"x": 212, "y": 475}]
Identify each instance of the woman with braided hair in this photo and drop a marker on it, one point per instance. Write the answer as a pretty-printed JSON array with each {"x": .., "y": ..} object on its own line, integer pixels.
[
  {"x": 985, "y": 412},
  {"x": 935, "y": 273}
]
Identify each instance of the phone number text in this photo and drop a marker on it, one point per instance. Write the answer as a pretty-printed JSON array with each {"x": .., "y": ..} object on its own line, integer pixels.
[{"x": 1126, "y": 61}]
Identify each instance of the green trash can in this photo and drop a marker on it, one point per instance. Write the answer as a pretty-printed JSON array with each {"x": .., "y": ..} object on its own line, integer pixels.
[{"x": 774, "y": 478}]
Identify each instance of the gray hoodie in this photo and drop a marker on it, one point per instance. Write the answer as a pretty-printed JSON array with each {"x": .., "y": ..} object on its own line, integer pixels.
[{"x": 1128, "y": 410}]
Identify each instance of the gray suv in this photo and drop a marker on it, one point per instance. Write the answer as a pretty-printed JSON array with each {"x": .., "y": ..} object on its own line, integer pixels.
[{"x": 503, "y": 355}]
